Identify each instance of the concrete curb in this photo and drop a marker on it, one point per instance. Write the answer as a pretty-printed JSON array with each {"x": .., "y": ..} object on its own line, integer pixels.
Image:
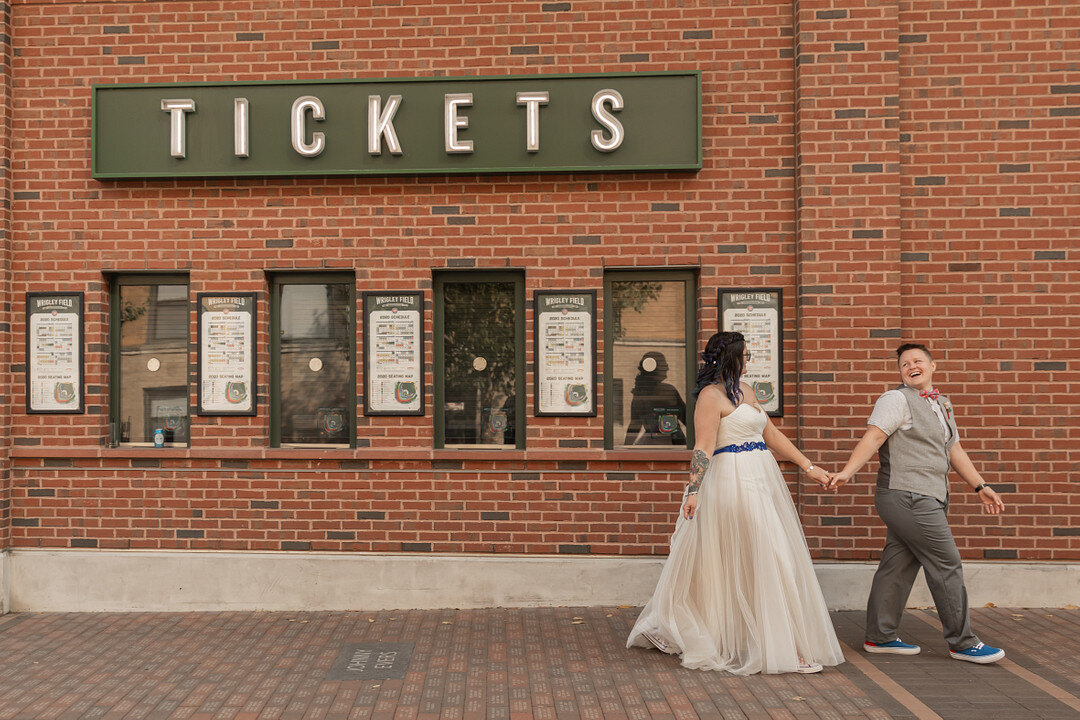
[{"x": 182, "y": 581}]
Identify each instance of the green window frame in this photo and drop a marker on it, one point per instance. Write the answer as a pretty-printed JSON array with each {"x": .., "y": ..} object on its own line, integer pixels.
[
  {"x": 441, "y": 280},
  {"x": 337, "y": 421},
  {"x": 123, "y": 411},
  {"x": 616, "y": 390}
]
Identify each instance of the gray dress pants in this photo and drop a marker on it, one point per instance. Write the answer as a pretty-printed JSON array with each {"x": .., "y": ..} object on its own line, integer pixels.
[{"x": 918, "y": 536}]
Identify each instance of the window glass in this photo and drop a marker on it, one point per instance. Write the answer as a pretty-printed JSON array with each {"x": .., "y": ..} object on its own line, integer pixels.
[
  {"x": 480, "y": 360},
  {"x": 316, "y": 362},
  {"x": 648, "y": 377},
  {"x": 153, "y": 362}
]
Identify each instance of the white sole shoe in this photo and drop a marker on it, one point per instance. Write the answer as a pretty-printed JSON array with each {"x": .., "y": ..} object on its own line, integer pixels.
[
  {"x": 659, "y": 643},
  {"x": 808, "y": 668},
  {"x": 886, "y": 650}
]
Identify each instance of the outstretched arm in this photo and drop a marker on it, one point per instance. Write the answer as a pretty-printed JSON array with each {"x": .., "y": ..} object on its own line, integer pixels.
[
  {"x": 779, "y": 443},
  {"x": 961, "y": 463},
  {"x": 872, "y": 439}
]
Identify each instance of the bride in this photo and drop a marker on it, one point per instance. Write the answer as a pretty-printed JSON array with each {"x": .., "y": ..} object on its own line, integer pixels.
[{"x": 738, "y": 590}]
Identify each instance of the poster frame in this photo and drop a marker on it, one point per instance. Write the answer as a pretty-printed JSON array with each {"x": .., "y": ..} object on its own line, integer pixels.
[
  {"x": 200, "y": 410},
  {"x": 366, "y": 298},
  {"x": 81, "y": 408},
  {"x": 777, "y": 332},
  {"x": 590, "y": 296}
]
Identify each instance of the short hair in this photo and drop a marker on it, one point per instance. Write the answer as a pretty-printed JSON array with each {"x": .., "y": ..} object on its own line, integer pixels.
[{"x": 913, "y": 346}]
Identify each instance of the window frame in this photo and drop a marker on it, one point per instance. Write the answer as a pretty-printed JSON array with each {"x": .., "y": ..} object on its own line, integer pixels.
[
  {"x": 276, "y": 280},
  {"x": 115, "y": 282},
  {"x": 689, "y": 277},
  {"x": 440, "y": 279}
]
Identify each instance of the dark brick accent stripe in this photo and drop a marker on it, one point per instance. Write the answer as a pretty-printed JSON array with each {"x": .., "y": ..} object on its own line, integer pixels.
[
  {"x": 370, "y": 515},
  {"x": 697, "y": 35},
  {"x": 494, "y": 515},
  {"x": 575, "y": 549},
  {"x": 525, "y": 50},
  {"x": 1014, "y": 212}
]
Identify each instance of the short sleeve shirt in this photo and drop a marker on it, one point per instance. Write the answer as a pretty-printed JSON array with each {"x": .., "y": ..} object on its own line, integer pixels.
[{"x": 891, "y": 413}]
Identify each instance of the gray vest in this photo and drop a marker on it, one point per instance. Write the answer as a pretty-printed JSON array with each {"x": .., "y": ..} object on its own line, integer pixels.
[{"x": 917, "y": 459}]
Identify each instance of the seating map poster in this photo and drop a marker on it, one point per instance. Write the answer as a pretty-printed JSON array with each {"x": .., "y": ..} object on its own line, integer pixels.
[
  {"x": 226, "y": 354},
  {"x": 393, "y": 353},
  {"x": 54, "y": 352},
  {"x": 565, "y": 353},
  {"x": 758, "y": 315}
]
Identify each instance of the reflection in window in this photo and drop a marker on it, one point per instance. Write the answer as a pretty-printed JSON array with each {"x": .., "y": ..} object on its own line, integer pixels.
[
  {"x": 648, "y": 362},
  {"x": 153, "y": 363},
  {"x": 316, "y": 362},
  {"x": 480, "y": 404}
]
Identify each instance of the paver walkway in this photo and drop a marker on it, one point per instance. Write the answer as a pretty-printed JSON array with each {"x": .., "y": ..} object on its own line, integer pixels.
[{"x": 499, "y": 664}]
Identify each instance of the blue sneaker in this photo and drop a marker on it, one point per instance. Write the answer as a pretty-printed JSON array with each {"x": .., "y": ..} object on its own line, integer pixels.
[
  {"x": 981, "y": 654},
  {"x": 893, "y": 647}
]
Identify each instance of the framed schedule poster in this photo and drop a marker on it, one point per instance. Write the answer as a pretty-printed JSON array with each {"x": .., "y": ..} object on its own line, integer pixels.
[
  {"x": 54, "y": 352},
  {"x": 393, "y": 353},
  {"x": 565, "y": 336},
  {"x": 759, "y": 315},
  {"x": 226, "y": 353}
]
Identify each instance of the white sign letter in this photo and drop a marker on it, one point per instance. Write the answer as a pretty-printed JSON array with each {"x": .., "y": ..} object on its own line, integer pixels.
[
  {"x": 240, "y": 127},
  {"x": 605, "y": 118},
  {"x": 380, "y": 125},
  {"x": 177, "y": 124},
  {"x": 299, "y": 132},
  {"x": 452, "y": 122},
  {"x": 532, "y": 102}
]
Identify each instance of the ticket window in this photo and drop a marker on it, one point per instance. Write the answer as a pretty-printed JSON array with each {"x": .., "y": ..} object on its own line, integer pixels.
[
  {"x": 150, "y": 332},
  {"x": 313, "y": 342},
  {"x": 479, "y": 347}
]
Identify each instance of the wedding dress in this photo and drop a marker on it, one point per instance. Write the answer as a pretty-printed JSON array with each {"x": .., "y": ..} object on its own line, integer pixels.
[{"x": 738, "y": 590}]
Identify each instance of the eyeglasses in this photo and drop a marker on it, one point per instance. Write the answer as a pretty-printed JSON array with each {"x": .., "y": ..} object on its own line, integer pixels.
[{"x": 748, "y": 355}]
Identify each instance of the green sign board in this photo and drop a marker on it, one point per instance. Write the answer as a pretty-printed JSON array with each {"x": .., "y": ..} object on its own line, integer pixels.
[{"x": 536, "y": 123}]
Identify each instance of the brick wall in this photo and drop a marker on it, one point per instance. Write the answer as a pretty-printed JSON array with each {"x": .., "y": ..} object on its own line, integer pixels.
[
  {"x": 7, "y": 380},
  {"x": 881, "y": 96}
]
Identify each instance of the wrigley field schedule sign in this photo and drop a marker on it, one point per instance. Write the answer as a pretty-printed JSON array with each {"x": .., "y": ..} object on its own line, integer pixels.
[{"x": 553, "y": 123}]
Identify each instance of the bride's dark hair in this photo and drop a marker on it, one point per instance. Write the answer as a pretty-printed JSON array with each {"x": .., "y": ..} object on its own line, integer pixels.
[{"x": 723, "y": 364}]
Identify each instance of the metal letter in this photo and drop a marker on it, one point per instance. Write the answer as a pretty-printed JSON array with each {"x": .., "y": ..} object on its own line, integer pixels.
[
  {"x": 452, "y": 122},
  {"x": 532, "y": 102},
  {"x": 381, "y": 125},
  {"x": 177, "y": 124},
  {"x": 614, "y": 127},
  {"x": 240, "y": 127},
  {"x": 299, "y": 132}
]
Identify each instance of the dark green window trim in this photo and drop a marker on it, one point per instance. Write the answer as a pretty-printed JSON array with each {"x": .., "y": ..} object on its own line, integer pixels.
[
  {"x": 116, "y": 280},
  {"x": 276, "y": 280},
  {"x": 689, "y": 278},
  {"x": 441, "y": 277}
]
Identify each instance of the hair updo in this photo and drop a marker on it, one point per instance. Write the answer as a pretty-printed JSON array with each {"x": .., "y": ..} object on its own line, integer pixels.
[{"x": 722, "y": 363}]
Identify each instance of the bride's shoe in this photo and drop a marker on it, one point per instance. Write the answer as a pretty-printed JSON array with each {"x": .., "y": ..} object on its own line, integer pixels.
[
  {"x": 661, "y": 644},
  {"x": 807, "y": 668}
]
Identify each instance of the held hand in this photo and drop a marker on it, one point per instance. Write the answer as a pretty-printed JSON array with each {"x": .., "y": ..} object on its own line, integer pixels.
[
  {"x": 992, "y": 502},
  {"x": 836, "y": 480},
  {"x": 690, "y": 506},
  {"x": 819, "y": 475}
]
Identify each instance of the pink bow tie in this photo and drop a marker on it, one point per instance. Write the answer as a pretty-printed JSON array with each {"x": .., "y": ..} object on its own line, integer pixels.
[{"x": 931, "y": 393}]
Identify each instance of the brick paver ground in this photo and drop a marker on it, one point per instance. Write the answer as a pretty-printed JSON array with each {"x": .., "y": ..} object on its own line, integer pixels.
[{"x": 498, "y": 664}]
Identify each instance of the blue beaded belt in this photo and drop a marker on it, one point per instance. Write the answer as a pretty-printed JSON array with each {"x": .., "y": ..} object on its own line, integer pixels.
[{"x": 745, "y": 447}]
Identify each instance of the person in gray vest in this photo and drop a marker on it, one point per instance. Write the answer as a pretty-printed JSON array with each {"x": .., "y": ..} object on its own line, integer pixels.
[{"x": 913, "y": 430}]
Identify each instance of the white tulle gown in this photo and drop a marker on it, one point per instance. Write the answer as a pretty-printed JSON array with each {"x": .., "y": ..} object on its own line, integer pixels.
[{"x": 738, "y": 590}]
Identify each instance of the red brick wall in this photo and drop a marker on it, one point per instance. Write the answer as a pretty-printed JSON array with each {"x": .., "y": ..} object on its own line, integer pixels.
[
  {"x": 874, "y": 112},
  {"x": 7, "y": 379}
]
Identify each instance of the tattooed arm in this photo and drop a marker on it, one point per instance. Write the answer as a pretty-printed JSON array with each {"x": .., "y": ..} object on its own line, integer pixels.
[
  {"x": 699, "y": 463},
  {"x": 711, "y": 406}
]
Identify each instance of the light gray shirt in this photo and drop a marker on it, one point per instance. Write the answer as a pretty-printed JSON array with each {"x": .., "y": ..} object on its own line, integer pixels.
[{"x": 891, "y": 413}]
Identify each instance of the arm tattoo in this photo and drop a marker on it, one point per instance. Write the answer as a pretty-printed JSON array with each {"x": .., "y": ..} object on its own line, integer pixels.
[{"x": 699, "y": 462}]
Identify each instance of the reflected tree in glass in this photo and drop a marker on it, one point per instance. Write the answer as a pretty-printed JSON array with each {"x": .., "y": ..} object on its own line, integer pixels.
[{"x": 479, "y": 357}]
